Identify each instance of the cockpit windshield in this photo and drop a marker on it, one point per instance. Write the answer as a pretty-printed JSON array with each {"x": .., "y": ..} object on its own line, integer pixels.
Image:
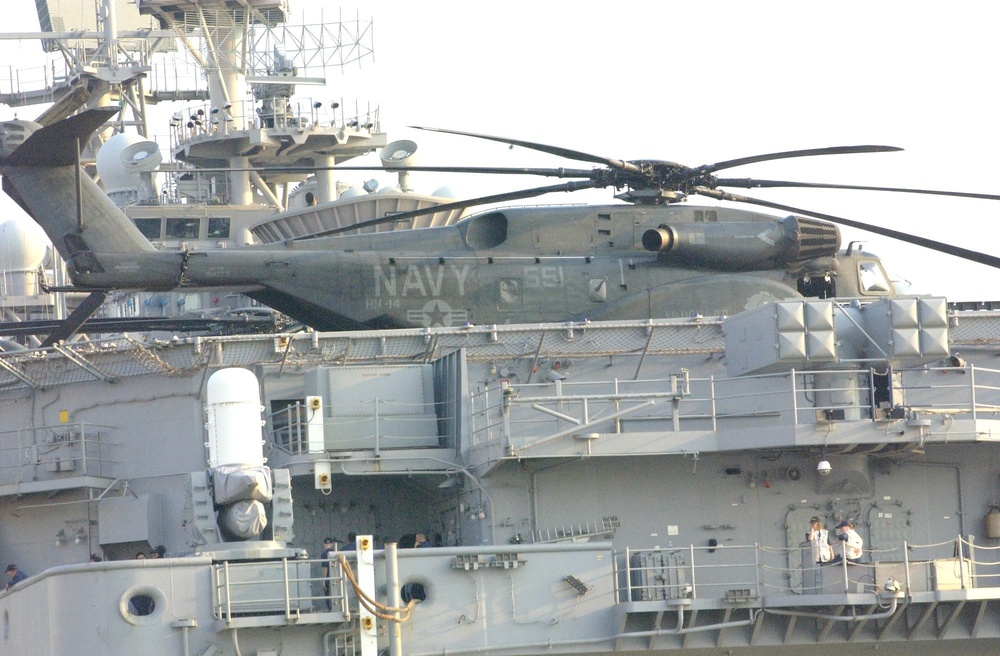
[{"x": 872, "y": 278}]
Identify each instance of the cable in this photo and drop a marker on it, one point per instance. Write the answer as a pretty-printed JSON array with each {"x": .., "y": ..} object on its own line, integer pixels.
[{"x": 372, "y": 606}]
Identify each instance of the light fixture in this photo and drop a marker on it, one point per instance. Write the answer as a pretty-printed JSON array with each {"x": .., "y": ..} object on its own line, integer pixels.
[
  {"x": 62, "y": 537},
  {"x": 317, "y": 105}
]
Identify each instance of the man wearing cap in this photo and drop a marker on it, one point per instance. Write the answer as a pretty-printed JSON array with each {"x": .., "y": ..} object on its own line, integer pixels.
[
  {"x": 14, "y": 575},
  {"x": 851, "y": 540},
  {"x": 820, "y": 539}
]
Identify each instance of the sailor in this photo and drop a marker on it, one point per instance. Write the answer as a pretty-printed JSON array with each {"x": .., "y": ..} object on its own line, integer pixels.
[
  {"x": 15, "y": 575},
  {"x": 851, "y": 542},
  {"x": 820, "y": 539}
]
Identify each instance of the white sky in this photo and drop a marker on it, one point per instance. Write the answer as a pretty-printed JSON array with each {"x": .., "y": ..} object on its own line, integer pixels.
[{"x": 697, "y": 82}]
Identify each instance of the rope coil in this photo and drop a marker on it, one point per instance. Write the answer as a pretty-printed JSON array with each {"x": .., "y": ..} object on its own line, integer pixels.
[{"x": 371, "y": 605}]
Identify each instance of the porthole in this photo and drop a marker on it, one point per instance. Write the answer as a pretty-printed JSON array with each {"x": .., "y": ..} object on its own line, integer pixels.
[
  {"x": 142, "y": 604},
  {"x": 412, "y": 591}
]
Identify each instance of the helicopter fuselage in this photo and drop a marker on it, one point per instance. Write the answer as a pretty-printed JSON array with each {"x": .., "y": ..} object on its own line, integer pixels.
[
  {"x": 523, "y": 264},
  {"x": 519, "y": 264}
]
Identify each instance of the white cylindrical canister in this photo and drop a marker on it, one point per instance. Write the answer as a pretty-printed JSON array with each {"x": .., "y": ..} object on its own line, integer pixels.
[{"x": 232, "y": 406}]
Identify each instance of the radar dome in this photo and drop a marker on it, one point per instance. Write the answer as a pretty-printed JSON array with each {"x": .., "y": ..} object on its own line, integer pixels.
[
  {"x": 23, "y": 246},
  {"x": 122, "y": 158},
  {"x": 445, "y": 192},
  {"x": 353, "y": 192}
]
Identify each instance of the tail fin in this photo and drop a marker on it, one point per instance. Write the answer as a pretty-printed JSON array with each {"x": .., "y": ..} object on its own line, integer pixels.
[
  {"x": 41, "y": 175},
  {"x": 56, "y": 144}
]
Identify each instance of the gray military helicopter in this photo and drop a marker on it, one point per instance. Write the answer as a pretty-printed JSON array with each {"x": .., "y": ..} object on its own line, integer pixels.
[{"x": 649, "y": 258}]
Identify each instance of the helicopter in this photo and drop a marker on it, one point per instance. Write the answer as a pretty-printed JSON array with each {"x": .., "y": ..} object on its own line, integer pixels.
[{"x": 651, "y": 257}]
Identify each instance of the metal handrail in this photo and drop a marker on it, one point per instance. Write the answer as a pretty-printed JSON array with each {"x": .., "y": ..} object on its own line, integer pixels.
[
  {"x": 532, "y": 409},
  {"x": 286, "y": 588},
  {"x": 664, "y": 574},
  {"x": 81, "y": 443}
]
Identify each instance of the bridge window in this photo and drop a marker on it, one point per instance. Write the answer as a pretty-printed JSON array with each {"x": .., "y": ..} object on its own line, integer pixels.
[
  {"x": 150, "y": 228},
  {"x": 183, "y": 228},
  {"x": 218, "y": 227}
]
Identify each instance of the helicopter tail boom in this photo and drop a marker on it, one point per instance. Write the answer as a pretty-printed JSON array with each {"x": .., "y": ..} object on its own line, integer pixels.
[{"x": 41, "y": 173}]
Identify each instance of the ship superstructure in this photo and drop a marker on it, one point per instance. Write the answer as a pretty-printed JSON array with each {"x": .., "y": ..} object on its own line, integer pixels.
[
  {"x": 595, "y": 487},
  {"x": 584, "y": 486}
]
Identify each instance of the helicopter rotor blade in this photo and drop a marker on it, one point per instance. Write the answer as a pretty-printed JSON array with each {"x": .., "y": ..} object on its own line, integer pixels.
[
  {"x": 544, "y": 148},
  {"x": 457, "y": 205},
  {"x": 941, "y": 247},
  {"x": 788, "y": 154},
  {"x": 750, "y": 183},
  {"x": 491, "y": 170}
]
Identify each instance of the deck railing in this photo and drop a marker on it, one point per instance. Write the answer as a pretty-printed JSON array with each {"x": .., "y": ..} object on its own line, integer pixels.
[
  {"x": 295, "y": 589},
  {"x": 287, "y": 588},
  {"x": 51, "y": 452},
  {"x": 743, "y": 573},
  {"x": 559, "y": 407},
  {"x": 388, "y": 425}
]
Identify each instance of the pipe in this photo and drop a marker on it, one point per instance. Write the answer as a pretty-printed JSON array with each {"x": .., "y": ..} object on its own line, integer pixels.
[
  {"x": 839, "y": 618},
  {"x": 392, "y": 583}
]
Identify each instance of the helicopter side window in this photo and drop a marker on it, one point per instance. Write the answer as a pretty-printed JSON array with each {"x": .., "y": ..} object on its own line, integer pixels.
[
  {"x": 509, "y": 293},
  {"x": 872, "y": 278}
]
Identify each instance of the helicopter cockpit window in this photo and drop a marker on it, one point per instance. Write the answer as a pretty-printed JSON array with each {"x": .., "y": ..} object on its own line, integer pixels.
[
  {"x": 183, "y": 228},
  {"x": 872, "y": 278}
]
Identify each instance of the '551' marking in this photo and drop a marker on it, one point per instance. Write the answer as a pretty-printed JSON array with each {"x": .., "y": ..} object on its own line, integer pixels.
[{"x": 543, "y": 276}]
